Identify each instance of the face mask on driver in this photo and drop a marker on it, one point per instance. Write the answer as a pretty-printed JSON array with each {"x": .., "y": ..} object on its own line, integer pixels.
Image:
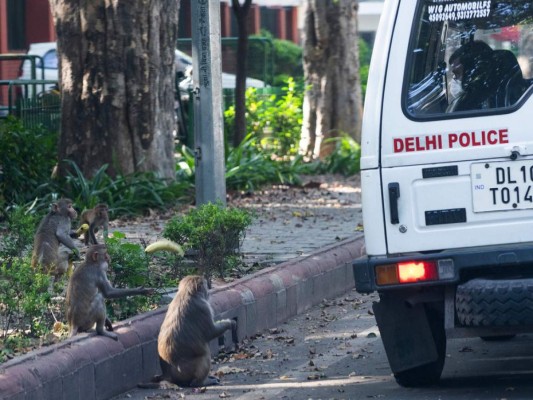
[{"x": 455, "y": 88}]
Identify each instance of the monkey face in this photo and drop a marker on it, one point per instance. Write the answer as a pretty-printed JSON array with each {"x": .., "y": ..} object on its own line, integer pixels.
[{"x": 71, "y": 211}]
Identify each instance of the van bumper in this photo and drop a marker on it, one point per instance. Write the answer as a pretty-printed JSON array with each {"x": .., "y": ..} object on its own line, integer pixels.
[{"x": 477, "y": 261}]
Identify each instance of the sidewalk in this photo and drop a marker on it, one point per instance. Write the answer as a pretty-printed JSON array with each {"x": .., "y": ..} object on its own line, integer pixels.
[
  {"x": 289, "y": 223},
  {"x": 305, "y": 238}
]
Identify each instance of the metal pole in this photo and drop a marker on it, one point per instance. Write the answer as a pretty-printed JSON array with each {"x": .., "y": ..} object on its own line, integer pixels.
[{"x": 207, "y": 97}]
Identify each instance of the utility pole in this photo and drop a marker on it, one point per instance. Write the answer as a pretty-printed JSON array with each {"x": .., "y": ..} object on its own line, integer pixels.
[{"x": 207, "y": 97}]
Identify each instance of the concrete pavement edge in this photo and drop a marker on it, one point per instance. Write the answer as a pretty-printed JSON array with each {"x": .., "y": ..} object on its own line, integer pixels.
[{"x": 94, "y": 367}]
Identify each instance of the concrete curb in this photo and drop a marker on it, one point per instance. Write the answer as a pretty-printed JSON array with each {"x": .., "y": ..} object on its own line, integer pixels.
[{"x": 93, "y": 367}]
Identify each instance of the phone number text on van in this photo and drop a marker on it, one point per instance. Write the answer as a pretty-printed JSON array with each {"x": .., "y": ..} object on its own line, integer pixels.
[{"x": 490, "y": 137}]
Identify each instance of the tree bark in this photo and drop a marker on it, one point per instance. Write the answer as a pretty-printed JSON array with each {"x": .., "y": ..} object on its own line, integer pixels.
[
  {"x": 116, "y": 62},
  {"x": 332, "y": 102},
  {"x": 241, "y": 14}
]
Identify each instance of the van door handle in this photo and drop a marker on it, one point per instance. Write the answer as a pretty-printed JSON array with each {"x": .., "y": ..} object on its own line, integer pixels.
[{"x": 394, "y": 195}]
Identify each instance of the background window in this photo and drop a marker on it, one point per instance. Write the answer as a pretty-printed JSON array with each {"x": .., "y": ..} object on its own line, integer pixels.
[{"x": 16, "y": 25}]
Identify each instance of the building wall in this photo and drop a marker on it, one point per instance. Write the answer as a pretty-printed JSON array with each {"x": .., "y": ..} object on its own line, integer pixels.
[
  {"x": 39, "y": 18},
  {"x": 39, "y": 27}
]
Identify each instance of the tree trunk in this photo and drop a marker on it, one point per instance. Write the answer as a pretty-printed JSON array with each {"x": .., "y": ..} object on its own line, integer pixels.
[
  {"x": 333, "y": 103},
  {"x": 116, "y": 62},
  {"x": 241, "y": 14}
]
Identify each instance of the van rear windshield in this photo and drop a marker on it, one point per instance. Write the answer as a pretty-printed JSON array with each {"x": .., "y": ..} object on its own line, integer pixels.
[{"x": 469, "y": 56}]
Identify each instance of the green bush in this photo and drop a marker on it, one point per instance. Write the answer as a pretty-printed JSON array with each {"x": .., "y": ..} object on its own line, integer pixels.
[
  {"x": 286, "y": 60},
  {"x": 125, "y": 195},
  {"x": 213, "y": 232},
  {"x": 17, "y": 239},
  {"x": 27, "y": 158},
  {"x": 345, "y": 159},
  {"x": 365, "y": 53},
  {"x": 129, "y": 268},
  {"x": 274, "y": 118},
  {"x": 24, "y": 298},
  {"x": 248, "y": 166}
]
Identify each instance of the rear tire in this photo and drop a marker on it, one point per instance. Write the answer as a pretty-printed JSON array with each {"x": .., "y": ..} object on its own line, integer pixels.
[{"x": 488, "y": 302}]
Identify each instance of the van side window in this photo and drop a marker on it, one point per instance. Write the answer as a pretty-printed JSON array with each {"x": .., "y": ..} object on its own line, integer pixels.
[{"x": 469, "y": 56}]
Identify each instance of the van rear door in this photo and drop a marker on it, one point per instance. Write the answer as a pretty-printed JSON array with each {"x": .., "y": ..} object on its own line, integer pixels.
[{"x": 456, "y": 153}]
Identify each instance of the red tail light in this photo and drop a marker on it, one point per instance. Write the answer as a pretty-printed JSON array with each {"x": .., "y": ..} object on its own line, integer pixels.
[
  {"x": 413, "y": 271},
  {"x": 416, "y": 271}
]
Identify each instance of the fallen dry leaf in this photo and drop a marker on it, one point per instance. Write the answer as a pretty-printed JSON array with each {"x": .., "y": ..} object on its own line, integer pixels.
[{"x": 226, "y": 370}]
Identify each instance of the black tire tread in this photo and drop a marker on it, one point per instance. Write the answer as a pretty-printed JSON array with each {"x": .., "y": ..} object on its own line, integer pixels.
[{"x": 486, "y": 302}]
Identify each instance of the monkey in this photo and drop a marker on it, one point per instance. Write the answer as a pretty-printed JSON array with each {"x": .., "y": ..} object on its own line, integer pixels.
[
  {"x": 87, "y": 290},
  {"x": 53, "y": 231},
  {"x": 95, "y": 217},
  {"x": 183, "y": 341}
]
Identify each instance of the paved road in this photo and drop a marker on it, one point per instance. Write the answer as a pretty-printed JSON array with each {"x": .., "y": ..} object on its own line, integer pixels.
[{"x": 334, "y": 352}]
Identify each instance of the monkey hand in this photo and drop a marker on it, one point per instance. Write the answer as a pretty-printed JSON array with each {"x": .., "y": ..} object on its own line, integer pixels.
[
  {"x": 234, "y": 335},
  {"x": 75, "y": 255},
  {"x": 148, "y": 291},
  {"x": 108, "y": 325}
]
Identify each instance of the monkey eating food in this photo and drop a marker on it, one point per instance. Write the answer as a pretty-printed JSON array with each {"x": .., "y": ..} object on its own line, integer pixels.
[
  {"x": 87, "y": 290},
  {"x": 95, "y": 217},
  {"x": 183, "y": 342},
  {"x": 54, "y": 229}
]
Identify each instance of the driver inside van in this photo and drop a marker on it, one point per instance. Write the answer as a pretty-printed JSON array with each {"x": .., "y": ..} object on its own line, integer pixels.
[
  {"x": 470, "y": 87},
  {"x": 455, "y": 88}
]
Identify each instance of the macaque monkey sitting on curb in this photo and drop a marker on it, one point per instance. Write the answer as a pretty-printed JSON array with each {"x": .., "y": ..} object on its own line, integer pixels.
[
  {"x": 87, "y": 290},
  {"x": 183, "y": 342},
  {"x": 55, "y": 229},
  {"x": 95, "y": 217}
]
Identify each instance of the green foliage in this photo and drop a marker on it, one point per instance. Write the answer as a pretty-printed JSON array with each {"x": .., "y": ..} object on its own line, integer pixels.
[
  {"x": 249, "y": 166},
  {"x": 214, "y": 232},
  {"x": 365, "y": 53},
  {"x": 27, "y": 158},
  {"x": 129, "y": 268},
  {"x": 18, "y": 238},
  {"x": 286, "y": 57},
  {"x": 24, "y": 298},
  {"x": 125, "y": 195},
  {"x": 345, "y": 159},
  {"x": 275, "y": 117}
]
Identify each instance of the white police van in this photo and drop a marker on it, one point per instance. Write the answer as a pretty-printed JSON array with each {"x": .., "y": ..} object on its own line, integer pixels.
[{"x": 447, "y": 178}]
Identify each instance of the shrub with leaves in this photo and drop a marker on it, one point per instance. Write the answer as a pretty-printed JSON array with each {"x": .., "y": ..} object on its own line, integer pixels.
[
  {"x": 27, "y": 158},
  {"x": 19, "y": 231},
  {"x": 24, "y": 299},
  {"x": 130, "y": 268},
  {"x": 274, "y": 117},
  {"x": 248, "y": 166},
  {"x": 365, "y": 52},
  {"x": 286, "y": 59},
  {"x": 213, "y": 232},
  {"x": 345, "y": 159},
  {"x": 125, "y": 195}
]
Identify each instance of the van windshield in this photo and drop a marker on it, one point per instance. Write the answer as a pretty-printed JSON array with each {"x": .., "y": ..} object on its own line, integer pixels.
[{"x": 469, "y": 56}]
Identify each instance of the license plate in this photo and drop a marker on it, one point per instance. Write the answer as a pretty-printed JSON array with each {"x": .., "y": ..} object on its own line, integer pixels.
[{"x": 500, "y": 186}]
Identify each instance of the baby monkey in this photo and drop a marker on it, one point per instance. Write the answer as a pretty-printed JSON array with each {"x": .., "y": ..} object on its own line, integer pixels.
[
  {"x": 95, "y": 217},
  {"x": 87, "y": 290}
]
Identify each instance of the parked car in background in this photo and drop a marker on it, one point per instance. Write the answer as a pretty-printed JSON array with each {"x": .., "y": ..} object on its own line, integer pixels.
[{"x": 47, "y": 67}]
